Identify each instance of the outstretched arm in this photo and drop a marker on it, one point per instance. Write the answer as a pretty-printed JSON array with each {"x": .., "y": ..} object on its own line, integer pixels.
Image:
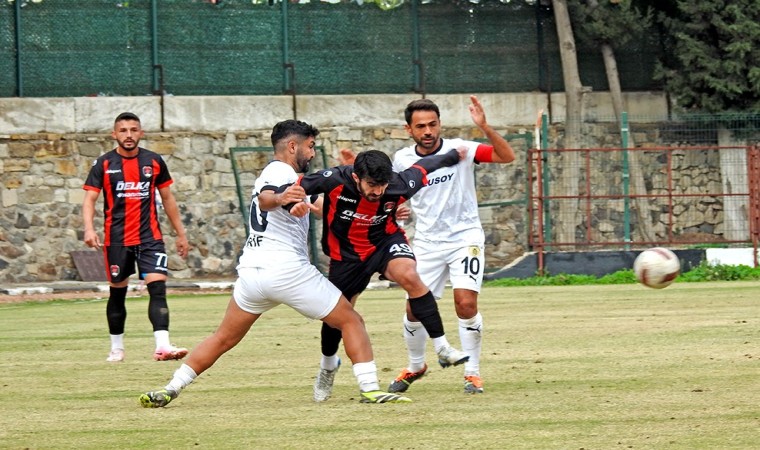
[
  {"x": 435, "y": 162},
  {"x": 502, "y": 151}
]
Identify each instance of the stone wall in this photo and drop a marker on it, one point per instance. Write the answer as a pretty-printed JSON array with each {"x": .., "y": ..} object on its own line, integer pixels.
[{"x": 47, "y": 146}]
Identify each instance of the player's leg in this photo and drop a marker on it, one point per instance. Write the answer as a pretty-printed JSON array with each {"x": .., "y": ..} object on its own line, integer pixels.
[
  {"x": 466, "y": 278},
  {"x": 433, "y": 272},
  {"x": 350, "y": 279},
  {"x": 359, "y": 350},
  {"x": 119, "y": 266},
  {"x": 153, "y": 264},
  {"x": 234, "y": 326},
  {"x": 400, "y": 266}
]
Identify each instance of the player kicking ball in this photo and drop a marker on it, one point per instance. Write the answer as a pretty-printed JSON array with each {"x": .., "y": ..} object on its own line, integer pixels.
[{"x": 274, "y": 269}]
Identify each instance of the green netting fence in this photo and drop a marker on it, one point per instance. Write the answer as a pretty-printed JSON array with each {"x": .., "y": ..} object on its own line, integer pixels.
[{"x": 193, "y": 47}]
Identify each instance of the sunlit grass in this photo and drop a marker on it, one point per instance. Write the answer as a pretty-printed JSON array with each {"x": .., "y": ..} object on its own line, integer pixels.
[{"x": 565, "y": 367}]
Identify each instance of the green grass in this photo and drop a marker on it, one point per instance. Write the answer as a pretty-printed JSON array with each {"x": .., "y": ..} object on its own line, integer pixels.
[
  {"x": 704, "y": 272},
  {"x": 565, "y": 367}
]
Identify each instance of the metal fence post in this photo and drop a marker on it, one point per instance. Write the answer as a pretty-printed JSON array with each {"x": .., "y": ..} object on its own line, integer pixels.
[
  {"x": 19, "y": 71},
  {"x": 624, "y": 132}
]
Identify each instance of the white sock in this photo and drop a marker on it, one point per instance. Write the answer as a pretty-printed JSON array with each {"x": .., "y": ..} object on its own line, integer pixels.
[
  {"x": 162, "y": 339},
  {"x": 182, "y": 377},
  {"x": 117, "y": 341},
  {"x": 415, "y": 336},
  {"x": 366, "y": 375},
  {"x": 471, "y": 336},
  {"x": 440, "y": 343},
  {"x": 329, "y": 362}
]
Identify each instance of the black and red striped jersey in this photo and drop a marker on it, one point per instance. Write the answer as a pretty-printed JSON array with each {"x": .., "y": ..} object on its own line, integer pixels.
[
  {"x": 129, "y": 195},
  {"x": 352, "y": 226}
]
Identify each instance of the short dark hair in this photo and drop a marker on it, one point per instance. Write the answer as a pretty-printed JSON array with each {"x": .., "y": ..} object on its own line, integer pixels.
[
  {"x": 422, "y": 104},
  {"x": 126, "y": 116},
  {"x": 287, "y": 128},
  {"x": 375, "y": 165}
]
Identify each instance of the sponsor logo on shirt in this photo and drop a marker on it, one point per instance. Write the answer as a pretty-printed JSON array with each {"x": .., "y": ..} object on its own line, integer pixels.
[
  {"x": 131, "y": 189},
  {"x": 113, "y": 171},
  {"x": 360, "y": 219},
  {"x": 440, "y": 179},
  {"x": 346, "y": 199}
]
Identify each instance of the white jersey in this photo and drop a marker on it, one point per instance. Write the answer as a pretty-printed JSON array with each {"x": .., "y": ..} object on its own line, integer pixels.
[
  {"x": 446, "y": 209},
  {"x": 274, "y": 235}
]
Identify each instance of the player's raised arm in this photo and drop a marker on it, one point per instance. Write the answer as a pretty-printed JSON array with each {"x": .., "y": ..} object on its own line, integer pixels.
[{"x": 502, "y": 151}]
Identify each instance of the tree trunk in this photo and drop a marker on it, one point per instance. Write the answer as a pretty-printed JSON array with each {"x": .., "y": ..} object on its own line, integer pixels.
[
  {"x": 733, "y": 174},
  {"x": 640, "y": 205},
  {"x": 569, "y": 173}
]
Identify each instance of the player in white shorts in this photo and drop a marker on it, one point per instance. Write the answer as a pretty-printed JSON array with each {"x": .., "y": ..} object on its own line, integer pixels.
[
  {"x": 449, "y": 238},
  {"x": 275, "y": 269}
]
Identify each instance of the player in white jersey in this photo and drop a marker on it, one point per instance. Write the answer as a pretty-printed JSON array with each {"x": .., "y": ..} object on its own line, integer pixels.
[
  {"x": 449, "y": 239},
  {"x": 275, "y": 269}
]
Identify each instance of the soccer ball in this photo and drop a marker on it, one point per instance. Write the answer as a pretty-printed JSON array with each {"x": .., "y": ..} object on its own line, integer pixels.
[{"x": 656, "y": 267}]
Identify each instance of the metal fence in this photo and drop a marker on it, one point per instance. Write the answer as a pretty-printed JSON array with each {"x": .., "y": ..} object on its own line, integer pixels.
[
  {"x": 193, "y": 47},
  {"x": 679, "y": 185}
]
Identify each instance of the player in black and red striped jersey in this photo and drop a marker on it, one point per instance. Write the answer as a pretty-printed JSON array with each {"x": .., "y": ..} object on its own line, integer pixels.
[
  {"x": 129, "y": 177},
  {"x": 361, "y": 237}
]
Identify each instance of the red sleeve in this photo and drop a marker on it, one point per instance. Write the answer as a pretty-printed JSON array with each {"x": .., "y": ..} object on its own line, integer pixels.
[
  {"x": 164, "y": 184},
  {"x": 484, "y": 153}
]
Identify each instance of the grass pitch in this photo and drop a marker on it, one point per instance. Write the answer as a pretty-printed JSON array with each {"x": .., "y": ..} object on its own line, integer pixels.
[{"x": 570, "y": 367}]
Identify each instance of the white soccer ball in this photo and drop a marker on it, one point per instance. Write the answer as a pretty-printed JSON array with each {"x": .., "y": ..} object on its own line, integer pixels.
[{"x": 656, "y": 267}]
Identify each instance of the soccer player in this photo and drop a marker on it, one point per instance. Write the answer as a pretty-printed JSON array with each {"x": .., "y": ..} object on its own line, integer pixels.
[
  {"x": 274, "y": 269},
  {"x": 449, "y": 239},
  {"x": 361, "y": 237},
  {"x": 129, "y": 177}
]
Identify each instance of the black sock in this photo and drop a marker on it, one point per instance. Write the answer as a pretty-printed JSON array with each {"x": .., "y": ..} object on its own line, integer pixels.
[
  {"x": 425, "y": 309},
  {"x": 158, "y": 309},
  {"x": 116, "y": 310},
  {"x": 330, "y": 339}
]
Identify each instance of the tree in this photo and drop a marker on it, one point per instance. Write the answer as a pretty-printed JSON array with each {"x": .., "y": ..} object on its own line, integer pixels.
[
  {"x": 570, "y": 173},
  {"x": 715, "y": 49},
  {"x": 713, "y": 68},
  {"x": 609, "y": 25}
]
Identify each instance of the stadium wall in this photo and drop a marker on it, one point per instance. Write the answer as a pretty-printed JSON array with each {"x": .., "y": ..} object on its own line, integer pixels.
[{"x": 47, "y": 145}]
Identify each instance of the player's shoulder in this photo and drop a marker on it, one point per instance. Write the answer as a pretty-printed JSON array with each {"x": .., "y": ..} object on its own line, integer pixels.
[
  {"x": 111, "y": 154},
  {"x": 336, "y": 174},
  {"x": 404, "y": 152},
  {"x": 107, "y": 156},
  {"x": 278, "y": 171},
  {"x": 404, "y": 158},
  {"x": 452, "y": 143},
  {"x": 150, "y": 154}
]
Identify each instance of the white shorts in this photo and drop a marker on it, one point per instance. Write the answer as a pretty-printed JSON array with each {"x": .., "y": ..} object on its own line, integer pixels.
[
  {"x": 462, "y": 265},
  {"x": 297, "y": 284}
]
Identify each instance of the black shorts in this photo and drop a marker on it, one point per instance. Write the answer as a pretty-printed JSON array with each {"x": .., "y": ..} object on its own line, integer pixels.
[
  {"x": 150, "y": 257},
  {"x": 352, "y": 277}
]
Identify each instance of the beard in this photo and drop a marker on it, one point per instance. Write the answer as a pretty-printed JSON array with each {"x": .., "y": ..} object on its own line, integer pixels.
[
  {"x": 303, "y": 165},
  {"x": 128, "y": 145}
]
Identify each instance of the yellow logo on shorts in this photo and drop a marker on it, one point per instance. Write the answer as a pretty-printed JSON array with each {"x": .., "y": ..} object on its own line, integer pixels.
[{"x": 474, "y": 251}]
